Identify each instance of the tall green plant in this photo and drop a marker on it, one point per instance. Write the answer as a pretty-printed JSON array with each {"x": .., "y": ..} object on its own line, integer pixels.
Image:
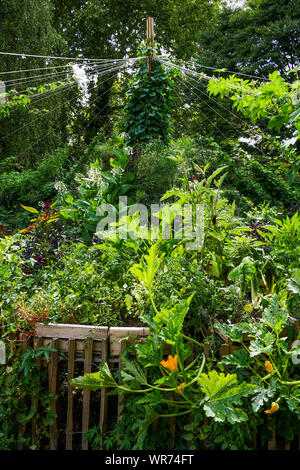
[{"x": 147, "y": 112}]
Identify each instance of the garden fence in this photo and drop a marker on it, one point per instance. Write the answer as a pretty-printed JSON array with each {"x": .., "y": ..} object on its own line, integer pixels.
[{"x": 79, "y": 349}]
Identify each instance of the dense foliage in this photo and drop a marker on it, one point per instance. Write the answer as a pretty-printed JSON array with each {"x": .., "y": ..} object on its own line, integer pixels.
[{"x": 149, "y": 136}]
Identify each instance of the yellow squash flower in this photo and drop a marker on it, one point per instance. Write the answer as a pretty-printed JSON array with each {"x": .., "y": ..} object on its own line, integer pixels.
[
  {"x": 273, "y": 409},
  {"x": 268, "y": 366},
  {"x": 171, "y": 363},
  {"x": 180, "y": 387},
  {"x": 248, "y": 308}
]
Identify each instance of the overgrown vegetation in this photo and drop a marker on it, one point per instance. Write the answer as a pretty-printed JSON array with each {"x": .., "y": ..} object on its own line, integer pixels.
[{"x": 134, "y": 139}]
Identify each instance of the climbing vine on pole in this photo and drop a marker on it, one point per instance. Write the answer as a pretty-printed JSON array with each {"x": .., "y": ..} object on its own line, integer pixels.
[{"x": 147, "y": 111}]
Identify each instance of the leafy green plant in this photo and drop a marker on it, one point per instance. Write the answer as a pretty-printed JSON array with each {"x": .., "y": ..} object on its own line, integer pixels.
[
  {"x": 276, "y": 100},
  {"x": 98, "y": 187},
  {"x": 147, "y": 111},
  {"x": 21, "y": 383},
  {"x": 269, "y": 350},
  {"x": 283, "y": 238},
  {"x": 154, "y": 171},
  {"x": 219, "y": 395}
]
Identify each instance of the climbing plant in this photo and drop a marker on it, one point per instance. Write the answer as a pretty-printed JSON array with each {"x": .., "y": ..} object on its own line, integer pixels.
[{"x": 147, "y": 112}]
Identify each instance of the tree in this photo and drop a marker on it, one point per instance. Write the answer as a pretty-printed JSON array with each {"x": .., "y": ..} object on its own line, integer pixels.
[
  {"x": 117, "y": 28},
  {"x": 259, "y": 38},
  {"x": 26, "y": 26}
]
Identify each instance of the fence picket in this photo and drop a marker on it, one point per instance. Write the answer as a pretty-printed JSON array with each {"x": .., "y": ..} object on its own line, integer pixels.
[
  {"x": 52, "y": 378},
  {"x": 22, "y": 427},
  {"x": 103, "y": 396},
  {"x": 86, "y": 393},
  {"x": 69, "y": 425},
  {"x": 35, "y": 401}
]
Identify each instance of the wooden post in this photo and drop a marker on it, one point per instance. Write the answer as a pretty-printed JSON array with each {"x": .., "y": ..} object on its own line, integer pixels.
[
  {"x": 86, "y": 393},
  {"x": 150, "y": 41},
  {"x": 22, "y": 426},
  {"x": 52, "y": 379},
  {"x": 103, "y": 396},
  {"x": 35, "y": 401},
  {"x": 69, "y": 425}
]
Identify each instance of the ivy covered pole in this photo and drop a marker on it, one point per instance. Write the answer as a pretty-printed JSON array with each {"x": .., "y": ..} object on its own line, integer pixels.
[
  {"x": 150, "y": 42},
  {"x": 148, "y": 105}
]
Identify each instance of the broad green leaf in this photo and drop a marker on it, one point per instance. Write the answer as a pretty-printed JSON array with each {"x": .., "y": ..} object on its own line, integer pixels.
[
  {"x": 153, "y": 398},
  {"x": 222, "y": 394},
  {"x": 150, "y": 353},
  {"x": 145, "y": 271},
  {"x": 293, "y": 284},
  {"x": 132, "y": 374},
  {"x": 263, "y": 395},
  {"x": 215, "y": 173},
  {"x": 240, "y": 359},
  {"x": 150, "y": 417},
  {"x": 173, "y": 318},
  {"x": 96, "y": 380},
  {"x": 274, "y": 316}
]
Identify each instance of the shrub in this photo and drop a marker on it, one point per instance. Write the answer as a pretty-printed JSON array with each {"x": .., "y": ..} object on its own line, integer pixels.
[{"x": 155, "y": 172}]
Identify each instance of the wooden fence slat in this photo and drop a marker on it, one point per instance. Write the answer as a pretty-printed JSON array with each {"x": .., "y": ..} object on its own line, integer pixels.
[
  {"x": 52, "y": 381},
  {"x": 287, "y": 445},
  {"x": 122, "y": 347},
  {"x": 225, "y": 349},
  {"x": 53, "y": 330},
  {"x": 86, "y": 393},
  {"x": 63, "y": 345},
  {"x": 103, "y": 396},
  {"x": 22, "y": 427},
  {"x": 272, "y": 442},
  {"x": 120, "y": 397},
  {"x": 35, "y": 401},
  {"x": 69, "y": 425}
]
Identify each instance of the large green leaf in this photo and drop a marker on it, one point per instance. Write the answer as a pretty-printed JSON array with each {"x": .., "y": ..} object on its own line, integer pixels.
[
  {"x": 263, "y": 395},
  {"x": 132, "y": 374},
  {"x": 96, "y": 380},
  {"x": 173, "y": 318},
  {"x": 223, "y": 392},
  {"x": 147, "y": 268},
  {"x": 263, "y": 344},
  {"x": 150, "y": 417},
  {"x": 293, "y": 284},
  {"x": 150, "y": 353},
  {"x": 240, "y": 359},
  {"x": 274, "y": 316}
]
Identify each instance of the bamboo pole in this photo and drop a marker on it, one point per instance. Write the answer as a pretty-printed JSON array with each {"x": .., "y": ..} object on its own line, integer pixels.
[{"x": 150, "y": 41}]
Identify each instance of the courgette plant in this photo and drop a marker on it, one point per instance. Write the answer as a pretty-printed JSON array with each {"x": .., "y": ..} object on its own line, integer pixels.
[
  {"x": 182, "y": 386},
  {"x": 270, "y": 359}
]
